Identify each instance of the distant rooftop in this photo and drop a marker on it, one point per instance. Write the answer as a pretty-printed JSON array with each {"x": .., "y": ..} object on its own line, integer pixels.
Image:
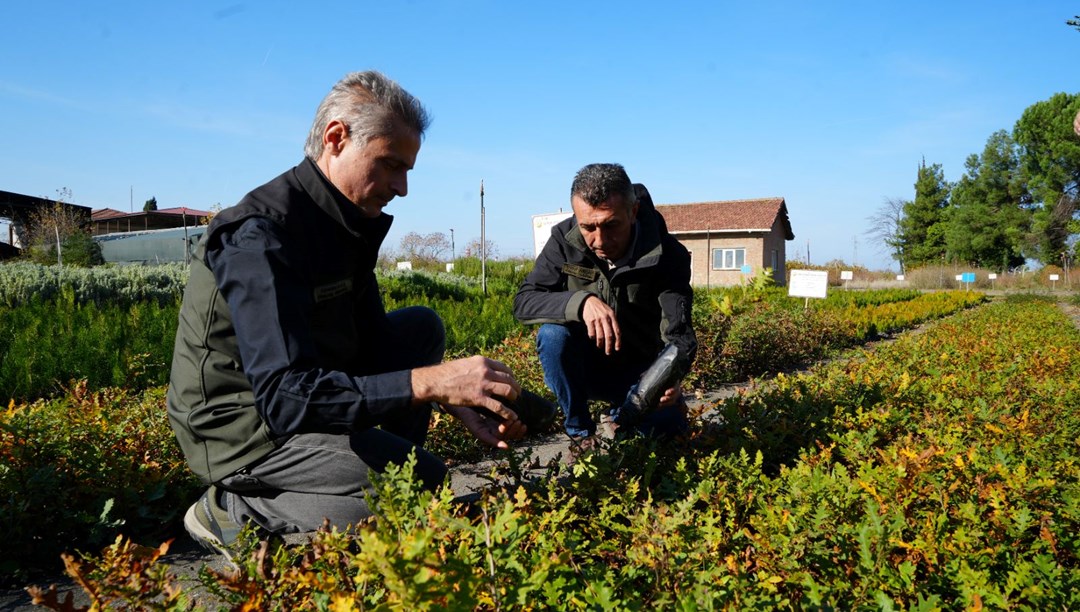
[{"x": 757, "y": 215}]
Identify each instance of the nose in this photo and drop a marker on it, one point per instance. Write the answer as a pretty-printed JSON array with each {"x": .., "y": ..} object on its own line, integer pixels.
[
  {"x": 599, "y": 240},
  {"x": 400, "y": 185}
]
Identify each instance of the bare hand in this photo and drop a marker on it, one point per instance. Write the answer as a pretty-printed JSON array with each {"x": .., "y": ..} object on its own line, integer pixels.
[
  {"x": 473, "y": 381},
  {"x": 488, "y": 430},
  {"x": 671, "y": 396},
  {"x": 603, "y": 328}
]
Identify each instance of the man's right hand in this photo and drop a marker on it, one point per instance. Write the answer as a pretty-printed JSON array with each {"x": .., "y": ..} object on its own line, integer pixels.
[
  {"x": 602, "y": 325},
  {"x": 486, "y": 429},
  {"x": 473, "y": 381}
]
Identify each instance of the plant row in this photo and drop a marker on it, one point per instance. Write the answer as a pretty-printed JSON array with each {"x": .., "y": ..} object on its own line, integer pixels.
[
  {"x": 940, "y": 471},
  {"x": 117, "y": 326}
]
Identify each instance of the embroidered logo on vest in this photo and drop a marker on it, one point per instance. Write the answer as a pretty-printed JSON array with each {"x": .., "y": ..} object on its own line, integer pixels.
[
  {"x": 587, "y": 274},
  {"x": 333, "y": 290}
]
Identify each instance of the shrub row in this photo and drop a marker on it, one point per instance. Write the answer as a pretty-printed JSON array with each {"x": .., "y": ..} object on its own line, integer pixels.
[
  {"x": 22, "y": 283},
  {"x": 940, "y": 471}
]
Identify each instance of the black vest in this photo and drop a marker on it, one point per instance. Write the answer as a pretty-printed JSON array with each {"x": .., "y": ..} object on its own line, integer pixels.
[{"x": 210, "y": 402}]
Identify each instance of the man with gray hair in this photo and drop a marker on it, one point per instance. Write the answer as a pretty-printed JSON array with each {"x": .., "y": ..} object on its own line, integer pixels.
[
  {"x": 611, "y": 292},
  {"x": 290, "y": 383}
]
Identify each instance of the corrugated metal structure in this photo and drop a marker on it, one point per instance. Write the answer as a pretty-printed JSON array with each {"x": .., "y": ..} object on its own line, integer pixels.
[{"x": 151, "y": 246}]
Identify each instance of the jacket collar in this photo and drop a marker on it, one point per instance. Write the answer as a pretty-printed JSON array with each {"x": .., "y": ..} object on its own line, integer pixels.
[{"x": 334, "y": 203}]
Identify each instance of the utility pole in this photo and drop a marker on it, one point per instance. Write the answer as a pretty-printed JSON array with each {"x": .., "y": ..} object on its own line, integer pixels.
[
  {"x": 483, "y": 242},
  {"x": 453, "y": 253}
]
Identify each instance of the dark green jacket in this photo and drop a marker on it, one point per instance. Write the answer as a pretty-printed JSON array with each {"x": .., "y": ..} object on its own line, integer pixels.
[{"x": 651, "y": 294}]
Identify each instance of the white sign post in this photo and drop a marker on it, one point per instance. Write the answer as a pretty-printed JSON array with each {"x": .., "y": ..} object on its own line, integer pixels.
[
  {"x": 808, "y": 284},
  {"x": 846, "y": 275},
  {"x": 1053, "y": 281},
  {"x": 542, "y": 225}
]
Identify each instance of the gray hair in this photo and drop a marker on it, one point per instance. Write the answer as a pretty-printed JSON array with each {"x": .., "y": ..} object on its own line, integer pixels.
[
  {"x": 596, "y": 183},
  {"x": 370, "y": 105}
]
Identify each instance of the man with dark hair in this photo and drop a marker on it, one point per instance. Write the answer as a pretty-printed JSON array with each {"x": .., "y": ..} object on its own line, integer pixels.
[
  {"x": 611, "y": 290},
  {"x": 290, "y": 382}
]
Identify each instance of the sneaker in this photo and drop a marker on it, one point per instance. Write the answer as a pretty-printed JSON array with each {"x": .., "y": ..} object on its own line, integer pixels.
[
  {"x": 209, "y": 524},
  {"x": 583, "y": 445},
  {"x": 608, "y": 428}
]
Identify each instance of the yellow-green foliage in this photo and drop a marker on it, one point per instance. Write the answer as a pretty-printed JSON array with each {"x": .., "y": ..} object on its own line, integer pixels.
[
  {"x": 939, "y": 472},
  {"x": 78, "y": 469}
]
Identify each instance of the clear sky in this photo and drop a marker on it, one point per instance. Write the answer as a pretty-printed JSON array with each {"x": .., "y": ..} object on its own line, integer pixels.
[{"x": 831, "y": 105}]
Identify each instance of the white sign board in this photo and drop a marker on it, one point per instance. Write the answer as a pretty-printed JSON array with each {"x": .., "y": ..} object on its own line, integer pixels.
[
  {"x": 847, "y": 274},
  {"x": 404, "y": 265},
  {"x": 959, "y": 277},
  {"x": 1053, "y": 277},
  {"x": 542, "y": 225},
  {"x": 991, "y": 276},
  {"x": 899, "y": 277},
  {"x": 808, "y": 283},
  {"x": 450, "y": 267}
]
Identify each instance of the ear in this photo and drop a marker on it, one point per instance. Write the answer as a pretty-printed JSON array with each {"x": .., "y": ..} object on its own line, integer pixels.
[
  {"x": 633, "y": 212},
  {"x": 334, "y": 136}
]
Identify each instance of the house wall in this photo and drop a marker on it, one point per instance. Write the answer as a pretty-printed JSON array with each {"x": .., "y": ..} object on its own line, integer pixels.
[{"x": 759, "y": 249}]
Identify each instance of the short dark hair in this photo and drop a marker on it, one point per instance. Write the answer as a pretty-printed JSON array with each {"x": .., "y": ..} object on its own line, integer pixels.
[
  {"x": 370, "y": 104},
  {"x": 596, "y": 183}
]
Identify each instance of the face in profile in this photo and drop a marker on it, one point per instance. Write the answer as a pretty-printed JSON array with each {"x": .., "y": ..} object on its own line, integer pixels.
[
  {"x": 608, "y": 227},
  {"x": 373, "y": 173}
]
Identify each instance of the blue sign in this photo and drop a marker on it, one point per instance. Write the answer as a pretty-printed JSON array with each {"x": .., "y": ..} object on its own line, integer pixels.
[
  {"x": 746, "y": 269},
  {"x": 968, "y": 277}
]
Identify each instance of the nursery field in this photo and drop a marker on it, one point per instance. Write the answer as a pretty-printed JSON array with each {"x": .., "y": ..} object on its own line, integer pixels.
[{"x": 938, "y": 470}]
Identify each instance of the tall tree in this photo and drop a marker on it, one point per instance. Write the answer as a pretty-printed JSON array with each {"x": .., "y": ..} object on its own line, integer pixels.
[
  {"x": 886, "y": 228},
  {"x": 55, "y": 233},
  {"x": 150, "y": 204},
  {"x": 490, "y": 249},
  {"x": 1050, "y": 166},
  {"x": 990, "y": 217},
  {"x": 426, "y": 249},
  {"x": 924, "y": 222}
]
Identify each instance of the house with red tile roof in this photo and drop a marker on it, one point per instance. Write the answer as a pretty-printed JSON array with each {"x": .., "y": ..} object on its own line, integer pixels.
[{"x": 731, "y": 241}]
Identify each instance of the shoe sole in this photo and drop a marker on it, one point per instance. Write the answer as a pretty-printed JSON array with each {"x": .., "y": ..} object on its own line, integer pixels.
[{"x": 204, "y": 536}]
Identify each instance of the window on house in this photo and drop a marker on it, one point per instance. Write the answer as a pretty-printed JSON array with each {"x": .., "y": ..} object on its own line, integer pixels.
[{"x": 728, "y": 259}]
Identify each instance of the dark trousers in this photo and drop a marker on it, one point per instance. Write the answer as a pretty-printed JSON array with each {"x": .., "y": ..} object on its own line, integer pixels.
[
  {"x": 577, "y": 372},
  {"x": 317, "y": 476}
]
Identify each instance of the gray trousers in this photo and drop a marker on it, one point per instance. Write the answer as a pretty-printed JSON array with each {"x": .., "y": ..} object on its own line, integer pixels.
[{"x": 314, "y": 477}]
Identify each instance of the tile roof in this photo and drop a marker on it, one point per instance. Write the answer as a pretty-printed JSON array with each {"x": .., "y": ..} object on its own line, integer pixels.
[
  {"x": 756, "y": 215},
  {"x": 106, "y": 213},
  {"x": 182, "y": 210}
]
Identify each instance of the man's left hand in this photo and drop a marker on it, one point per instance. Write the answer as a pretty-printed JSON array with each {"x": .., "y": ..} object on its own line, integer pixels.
[{"x": 671, "y": 396}]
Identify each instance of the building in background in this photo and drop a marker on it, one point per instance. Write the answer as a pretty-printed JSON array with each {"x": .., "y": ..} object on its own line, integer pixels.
[
  {"x": 16, "y": 210},
  {"x": 109, "y": 221},
  {"x": 731, "y": 240}
]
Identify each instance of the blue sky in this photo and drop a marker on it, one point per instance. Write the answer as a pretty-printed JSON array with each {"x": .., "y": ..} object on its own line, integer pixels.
[{"x": 831, "y": 105}]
